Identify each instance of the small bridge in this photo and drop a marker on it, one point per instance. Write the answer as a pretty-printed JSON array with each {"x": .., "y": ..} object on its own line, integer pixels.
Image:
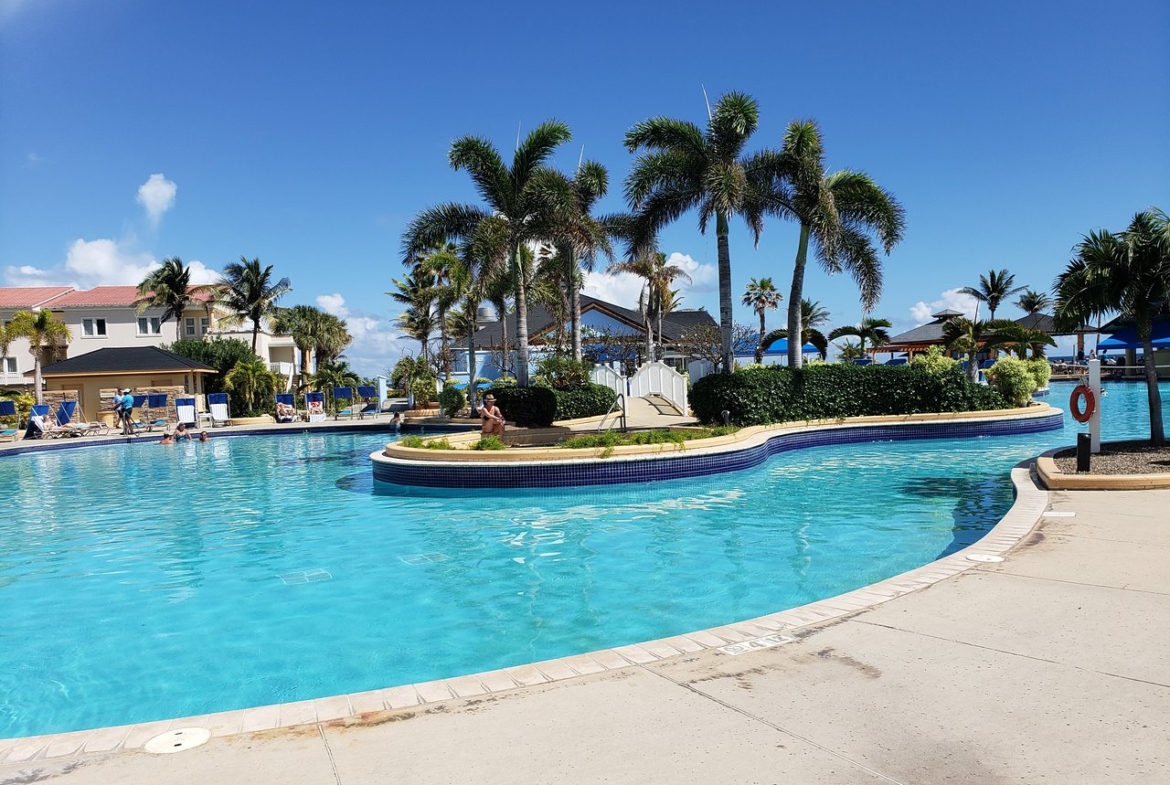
[{"x": 664, "y": 388}]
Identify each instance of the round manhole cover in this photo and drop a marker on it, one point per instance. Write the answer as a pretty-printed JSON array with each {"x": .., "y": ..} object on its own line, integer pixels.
[
  {"x": 984, "y": 557},
  {"x": 177, "y": 740}
]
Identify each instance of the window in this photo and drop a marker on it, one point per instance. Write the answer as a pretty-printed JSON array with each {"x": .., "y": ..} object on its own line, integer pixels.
[
  {"x": 190, "y": 326},
  {"x": 204, "y": 325},
  {"x": 10, "y": 365},
  {"x": 149, "y": 325},
  {"x": 93, "y": 328}
]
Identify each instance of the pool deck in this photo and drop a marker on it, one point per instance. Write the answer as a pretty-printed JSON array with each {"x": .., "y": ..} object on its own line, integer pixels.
[{"x": 1050, "y": 666}]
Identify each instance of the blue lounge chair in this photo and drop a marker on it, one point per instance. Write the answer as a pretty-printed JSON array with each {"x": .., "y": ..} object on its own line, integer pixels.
[
  {"x": 369, "y": 396},
  {"x": 8, "y": 409},
  {"x": 38, "y": 421},
  {"x": 315, "y": 406},
  {"x": 343, "y": 394},
  {"x": 286, "y": 400},
  {"x": 185, "y": 411},
  {"x": 217, "y": 405},
  {"x": 154, "y": 402}
]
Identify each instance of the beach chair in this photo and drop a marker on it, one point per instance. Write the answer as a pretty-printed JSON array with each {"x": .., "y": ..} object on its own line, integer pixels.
[
  {"x": 286, "y": 410},
  {"x": 38, "y": 421},
  {"x": 8, "y": 409},
  {"x": 217, "y": 405},
  {"x": 315, "y": 406},
  {"x": 370, "y": 403},
  {"x": 62, "y": 424},
  {"x": 185, "y": 412},
  {"x": 343, "y": 394},
  {"x": 154, "y": 402}
]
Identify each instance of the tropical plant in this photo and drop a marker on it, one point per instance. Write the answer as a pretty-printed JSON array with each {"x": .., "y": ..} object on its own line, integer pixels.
[
  {"x": 934, "y": 360},
  {"x": 683, "y": 167},
  {"x": 761, "y": 296},
  {"x": 812, "y": 318},
  {"x": 873, "y": 330},
  {"x": 452, "y": 400},
  {"x": 418, "y": 320},
  {"x": 45, "y": 335},
  {"x": 251, "y": 382},
  {"x": 840, "y": 213},
  {"x": 581, "y": 239},
  {"x": 1012, "y": 379},
  {"x": 961, "y": 334},
  {"x": 169, "y": 287},
  {"x": 524, "y": 203},
  {"x": 220, "y": 353},
  {"x": 1032, "y": 301},
  {"x": 416, "y": 377},
  {"x": 313, "y": 330},
  {"x": 337, "y": 374},
  {"x": 659, "y": 275},
  {"x": 1126, "y": 273},
  {"x": 249, "y": 293},
  {"x": 1013, "y": 337},
  {"x": 993, "y": 289},
  {"x": 850, "y": 351}
]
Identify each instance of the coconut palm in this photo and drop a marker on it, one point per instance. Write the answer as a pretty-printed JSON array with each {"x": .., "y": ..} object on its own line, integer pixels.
[
  {"x": 812, "y": 317},
  {"x": 252, "y": 382},
  {"x": 993, "y": 289},
  {"x": 850, "y": 351},
  {"x": 312, "y": 330},
  {"x": 658, "y": 276},
  {"x": 524, "y": 203},
  {"x": 249, "y": 293},
  {"x": 418, "y": 320},
  {"x": 1033, "y": 302},
  {"x": 683, "y": 167},
  {"x": 1126, "y": 273},
  {"x": 168, "y": 287},
  {"x": 44, "y": 333},
  {"x": 970, "y": 335},
  {"x": 436, "y": 271},
  {"x": 1013, "y": 337},
  {"x": 761, "y": 296},
  {"x": 581, "y": 240},
  {"x": 873, "y": 330},
  {"x": 840, "y": 213},
  {"x": 337, "y": 374}
]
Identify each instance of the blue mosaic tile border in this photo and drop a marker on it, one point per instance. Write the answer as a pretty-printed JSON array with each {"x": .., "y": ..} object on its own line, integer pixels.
[{"x": 613, "y": 471}]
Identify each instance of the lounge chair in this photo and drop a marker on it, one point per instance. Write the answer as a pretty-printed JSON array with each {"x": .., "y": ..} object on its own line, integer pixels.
[
  {"x": 63, "y": 424},
  {"x": 369, "y": 396},
  {"x": 154, "y": 402},
  {"x": 8, "y": 409},
  {"x": 343, "y": 394},
  {"x": 286, "y": 410},
  {"x": 38, "y": 421},
  {"x": 217, "y": 405},
  {"x": 315, "y": 406},
  {"x": 185, "y": 412}
]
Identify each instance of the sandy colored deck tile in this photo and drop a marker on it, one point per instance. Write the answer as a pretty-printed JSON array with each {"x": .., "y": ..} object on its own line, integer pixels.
[
  {"x": 260, "y": 718},
  {"x": 583, "y": 664},
  {"x": 363, "y": 702},
  {"x": 527, "y": 675},
  {"x": 333, "y": 708},
  {"x": 706, "y": 639},
  {"x": 466, "y": 687},
  {"x": 402, "y": 697},
  {"x": 22, "y": 753},
  {"x": 298, "y": 713},
  {"x": 140, "y": 734},
  {"x": 497, "y": 680},
  {"x": 684, "y": 644},
  {"x": 556, "y": 669},
  {"x": 67, "y": 744},
  {"x": 660, "y": 649},
  {"x": 223, "y": 723},
  {"x": 609, "y": 659},
  {"x": 432, "y": 691}
]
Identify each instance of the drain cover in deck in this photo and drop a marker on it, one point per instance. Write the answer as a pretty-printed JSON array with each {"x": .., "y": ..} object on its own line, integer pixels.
[{"x": 177, "y": 740}]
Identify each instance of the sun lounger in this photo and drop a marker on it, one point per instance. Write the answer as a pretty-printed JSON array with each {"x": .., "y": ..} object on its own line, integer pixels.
[
  {"x": 217, "y": 404},
  {"x": 343, "y": 394},
  {"x": 369, "y": 395},
  {"x": 185, "y": 412},
  {"x": 286, "y": 410},
  {"x": 8, "y": 409},
  {"x": 315, "y": 405}
]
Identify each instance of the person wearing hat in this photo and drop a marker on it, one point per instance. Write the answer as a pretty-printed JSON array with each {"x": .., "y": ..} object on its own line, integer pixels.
[
  {"x": 491, "y": 417},
  {"x": 127, "y": 401}
]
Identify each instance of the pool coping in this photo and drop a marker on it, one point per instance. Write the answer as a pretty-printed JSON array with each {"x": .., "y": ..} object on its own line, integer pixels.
[
  {"x": 760, "y": 632},
  {"x": 1056, "y": 480}
]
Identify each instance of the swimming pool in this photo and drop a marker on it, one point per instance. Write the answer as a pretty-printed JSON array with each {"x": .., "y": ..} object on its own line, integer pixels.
[{"x": 140, "y": 582}]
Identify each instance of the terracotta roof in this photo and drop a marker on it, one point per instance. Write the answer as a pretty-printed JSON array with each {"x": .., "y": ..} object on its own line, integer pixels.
[
  {"x": 107, "y": 297},
  {"x": 136, "y": 359},
  {"x": 25, "y": 297}
]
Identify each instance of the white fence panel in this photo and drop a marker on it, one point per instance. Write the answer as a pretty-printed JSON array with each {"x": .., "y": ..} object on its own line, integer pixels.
[
  {"x": 658, "y": 378},
  {"x": 608, "y": 377}
]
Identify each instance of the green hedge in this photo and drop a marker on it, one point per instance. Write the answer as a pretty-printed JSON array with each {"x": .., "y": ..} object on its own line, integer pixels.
[
  {"x": 529, "y": 407},
  {"x": 586, "y": 400},
  {"x": 760, "y": 396}
]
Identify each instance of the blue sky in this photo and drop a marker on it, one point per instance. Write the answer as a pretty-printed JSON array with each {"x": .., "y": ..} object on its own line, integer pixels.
[{"x": 308, "y": 134}]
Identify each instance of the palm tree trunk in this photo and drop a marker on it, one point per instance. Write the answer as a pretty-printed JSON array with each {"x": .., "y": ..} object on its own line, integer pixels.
[
  {"x": 760, "y": 341},
  {"x": 521, "y": 320},
  {"x": 575, "y": 317},
  {"x": 1153, "y": 395},
  {"x": 725, "y": 305},
  {"x": 471, "y": 366},
  {"x": 444, "y": 355},
  {"x": 795, "y": 339},
  {"x": 255, "y": 334},
  {"x": 37, "y": 377},
  {"x": 649, "y": 338},
  {"x": 661, "y": 351}
]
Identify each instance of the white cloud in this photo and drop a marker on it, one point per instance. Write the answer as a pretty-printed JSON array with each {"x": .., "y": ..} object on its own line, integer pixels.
[
  {"x": 376, "y": 346},
  {"x": 200, "y": 273},
  {"x": 704, "y": 277},
  {"x": 951, "y": 299},
  {"x": 157, "y": 195},
  {"x": 104, "y": 263}
]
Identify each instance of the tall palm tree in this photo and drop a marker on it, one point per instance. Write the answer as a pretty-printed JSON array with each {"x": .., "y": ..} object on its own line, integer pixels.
[
  {"x": 1033, "y": 302},
  {"x": 1127, "y": 273},
  {"x": 873, "y": 330},
  {"x": 761, "y": 296},
  {"x": 840, "y": 213},
  {"x": 249, "y": 293},
  {"x": 418, "y": 320},
  {"x": 658, "y": 276},
  {"x": 334, "y": 375},
  {"x": 683, "y": 167},
  {"x": 310, "y": 328},
  {"x": 332, "y": 338},
  {"x": 436, "y": 271},
  {"x": 993, "y": 289},
  {"x": 582, "y": 238},
  {"x": 252, "y": 382},
  {"x": 44, "y": 333},
  {"x": 523, "y": 203},
  {"x": 168, "y": 287}
]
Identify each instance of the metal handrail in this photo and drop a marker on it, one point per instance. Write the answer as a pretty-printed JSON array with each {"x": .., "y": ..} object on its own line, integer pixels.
[{"x": 621, "y": 398}]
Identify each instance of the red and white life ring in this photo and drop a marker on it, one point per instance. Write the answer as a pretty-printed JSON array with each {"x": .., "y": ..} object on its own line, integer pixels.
[{"x": 1074, "y": 403}]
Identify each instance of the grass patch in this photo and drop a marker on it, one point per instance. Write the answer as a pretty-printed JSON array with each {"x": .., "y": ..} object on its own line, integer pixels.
[
  {"x": 419, "y": 443},
  {"x": 490, "y": 442},
  {"x": 611, "y": 439}
]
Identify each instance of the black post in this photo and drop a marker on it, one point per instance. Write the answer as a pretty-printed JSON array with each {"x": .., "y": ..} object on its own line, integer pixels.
[{"x": 1084, "y": 445}]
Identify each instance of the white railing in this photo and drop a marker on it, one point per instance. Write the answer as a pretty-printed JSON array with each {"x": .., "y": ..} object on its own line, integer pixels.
[
  {"x": 608, "y": 377},
  {"x": 658, "y": 378}
]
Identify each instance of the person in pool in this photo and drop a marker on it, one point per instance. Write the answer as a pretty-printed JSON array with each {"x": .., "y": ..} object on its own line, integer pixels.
[
  {"x": 491, "y": 417},
  {"x": 181, "y": 432}
]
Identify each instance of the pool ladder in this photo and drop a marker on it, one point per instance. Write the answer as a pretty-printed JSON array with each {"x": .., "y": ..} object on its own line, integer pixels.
[{"x": 621, "y": 398}]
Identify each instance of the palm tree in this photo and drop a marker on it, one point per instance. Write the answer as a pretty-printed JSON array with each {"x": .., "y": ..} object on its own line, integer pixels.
[
  {"x": 812, "y": 317},
  {"x": 436, "y": 271},
  {"x": 841, "y": 213},
  {"x": 581, "y": 240},
  {"x": 850, "y": 351},
  {"x": 332, "y": 338},
  {"x": 334, "y": 375},
  {"x": 1012, "y": 336},
  {"x": 418, "y": 320},
  {"x": 1127, "y": 273},
  {"x": 524, "y": 203},
  {"x": 684, "y": 167},
  {"x": 970, "y": 335},
  {"x": 993, "y": 289},
  {"x": 248, "y": 293},
  {"x": 761, "y": 296},
  {"x": 252, "y": 382},
  {"x": 312, "y": 330},
  {"x": 168, "y": 287},
  {"x": 870, "y": 329},
  {"x": 44, "y": 333},
  {"x": 1033, "y": 302},
  {"x": 659, "y": 276}
]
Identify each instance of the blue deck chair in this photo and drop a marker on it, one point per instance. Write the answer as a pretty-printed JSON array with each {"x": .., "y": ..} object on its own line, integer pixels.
[
  {"x": 62, "y": 424},
  {"x": 185, "y": 412},
  {"x": 288, "y": 400},
  {"x": 38, "y": 421},
  {"x": 217, "y": 405},
  {"x": 154, "y": 402},
  {"x": 315, "y": 406},
  {"x": 343, "y": 394},
  {"x": 369, "y": 396},
  {"x": 8, "y": 409}
]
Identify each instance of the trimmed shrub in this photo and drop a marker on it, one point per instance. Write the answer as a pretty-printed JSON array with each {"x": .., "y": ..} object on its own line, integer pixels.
[
  {"x": 529, "y": 407},
  {"x": 489, "y": 442},
  {"x": 776, "y": 394},
  {"x": 1041, "y": 371},
  {"x": 934, "y": 360},
  {"x": 1012, "y": 379},
  {"x": 452, "y": 400},
  {"x": 586, "y": 400}
]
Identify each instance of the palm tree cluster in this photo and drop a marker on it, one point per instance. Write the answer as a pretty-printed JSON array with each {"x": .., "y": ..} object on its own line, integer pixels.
[{"x": 678, "y": 168}]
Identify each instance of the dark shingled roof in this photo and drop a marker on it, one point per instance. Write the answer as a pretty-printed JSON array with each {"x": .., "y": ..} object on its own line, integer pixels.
[{"x": 137, "y": 359}]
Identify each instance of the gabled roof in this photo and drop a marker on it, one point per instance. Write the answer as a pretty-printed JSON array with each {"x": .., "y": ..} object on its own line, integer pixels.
[
  {"x": 23, "y": 298},
  {"x": 1038, "y": 321},
  {"x": 137, "y": 359}
]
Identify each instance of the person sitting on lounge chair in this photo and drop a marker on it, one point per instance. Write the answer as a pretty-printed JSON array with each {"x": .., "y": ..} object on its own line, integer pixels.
[
  {"x": 316, "y": 407},
  {"x": 285, "y": 412},
  {"x": 36, "y": 427}
]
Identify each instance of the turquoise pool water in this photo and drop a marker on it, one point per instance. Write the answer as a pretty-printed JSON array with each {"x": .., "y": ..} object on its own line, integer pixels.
[{"x": 142, "y": 582}]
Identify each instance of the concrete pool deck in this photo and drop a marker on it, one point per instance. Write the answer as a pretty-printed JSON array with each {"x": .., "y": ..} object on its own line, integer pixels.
[{"x": 1050, "y": 666}]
